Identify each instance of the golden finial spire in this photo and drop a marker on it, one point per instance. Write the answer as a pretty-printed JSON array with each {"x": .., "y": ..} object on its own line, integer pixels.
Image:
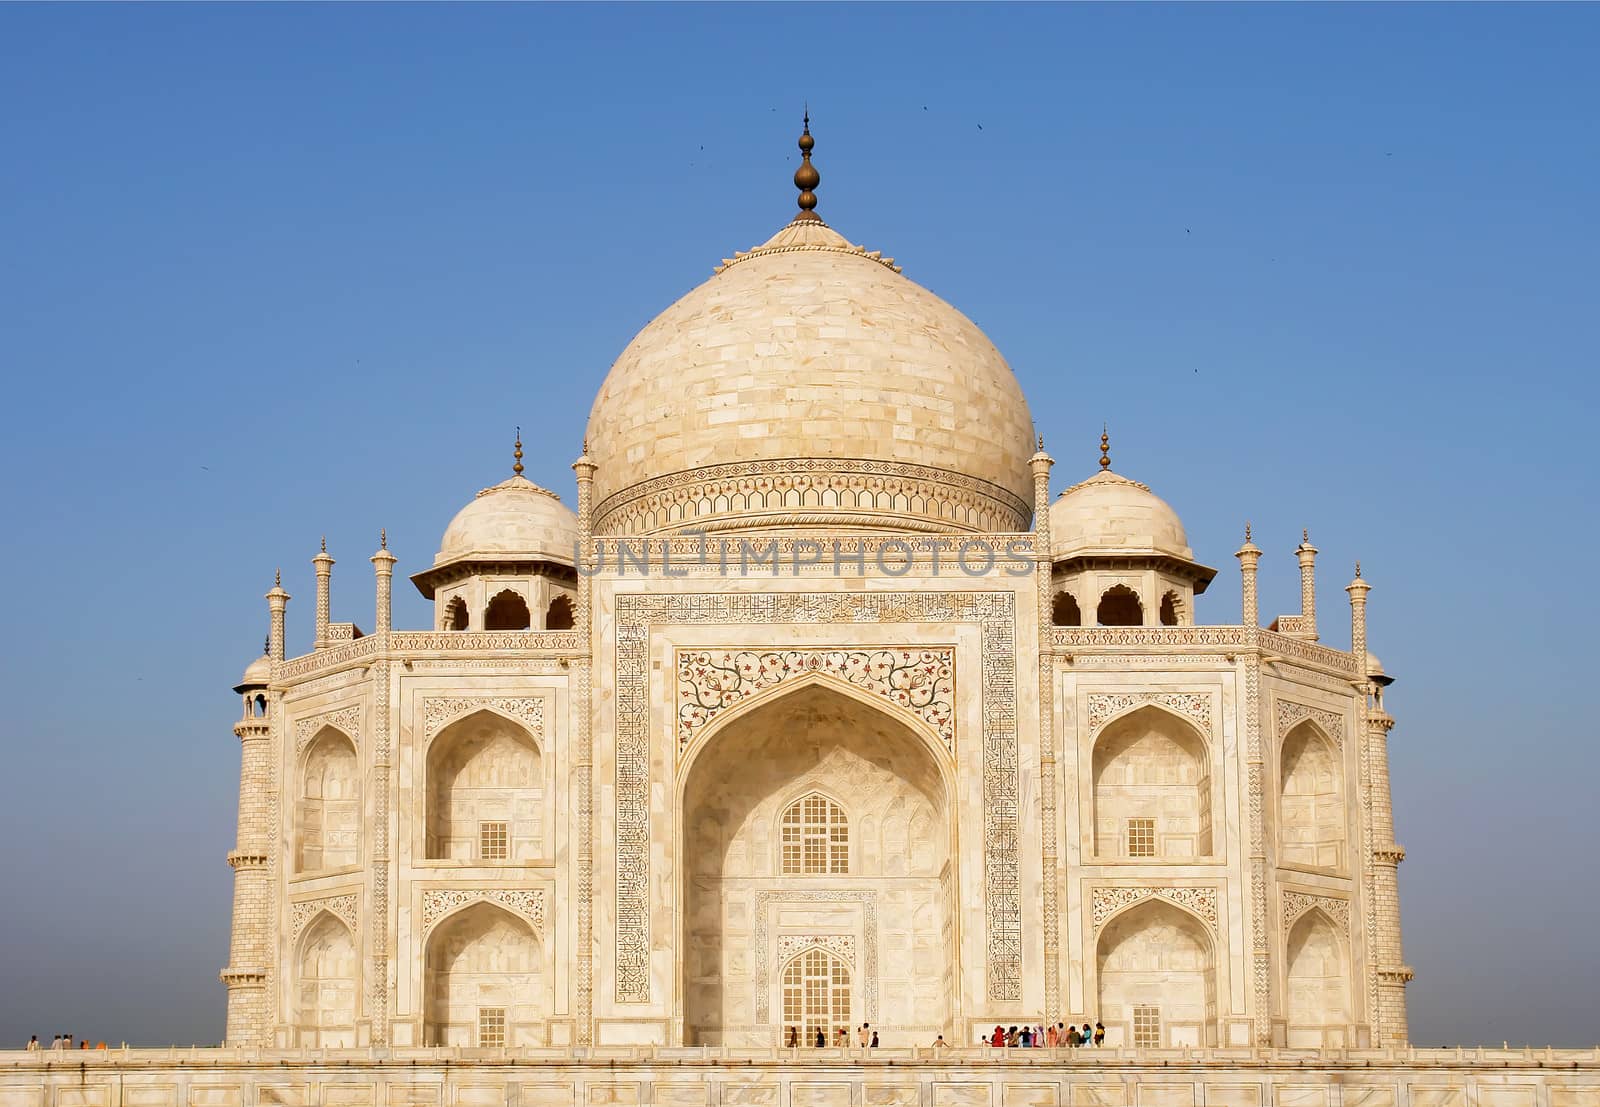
[
  {"x": 1247, "y": 530},
  {"x": 324, "y": 543},
  {"x": 1105, "y": 447},
  {"x": 516, "y": 454},
  {"x": 1041, "y": 442},
  {"x": 806, "y": 178},
  {"x": 1305, "y": 535},
  {"x": 277, "y": 578},
  {"x": 1358, "y": 570},
  {"x": 266, "y": 646},
  {"x": 383, "y": 538}
]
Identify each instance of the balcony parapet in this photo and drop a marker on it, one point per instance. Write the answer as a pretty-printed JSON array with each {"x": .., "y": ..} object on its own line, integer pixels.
[{"x": 1213, "y": 639}]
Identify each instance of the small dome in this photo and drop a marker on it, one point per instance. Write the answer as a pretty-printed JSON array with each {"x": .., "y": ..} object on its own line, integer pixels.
[
  {"x": 1375, "y": 670},
  {"x": 1110, "y": 514},
  {"x": 516, "y": 520},
  {"x": 257, "y": 674}
]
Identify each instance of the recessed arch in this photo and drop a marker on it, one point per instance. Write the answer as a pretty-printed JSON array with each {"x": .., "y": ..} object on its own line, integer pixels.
[
  {"x": 813, "y": 738},
  {"x": 455, "y": 614},
  {"x": 1151, "y": 786},
  {"x": 484, "y": 791},
  {"x": 507, "y": 610},
  {"x": 327, "y": 810},
  {"x": 559, "y": 615},
  {"x": 1064, "y": 610},
  {"x": 1311, "y": 799},
  {"x": 1155, "y": 968},
  {"x": 1119, "y": 606},
  {"x": 813, "y": 836},
  {"x": 1317, "y": 975},
  {"x": 485, "y": 981},
  {"x": 326, "y": 983},
  {"x": 1171, "y": 611}
]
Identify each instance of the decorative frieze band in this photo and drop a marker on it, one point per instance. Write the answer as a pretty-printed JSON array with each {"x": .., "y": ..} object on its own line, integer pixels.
[
  {"x": 440, "y": 712},
  {"x": 346, "y": 720},
  {"x": 1296, "y": 904},
  {"x": 1290, "y": 714},
  {"x": 439, "y": 902},
  {"x": 342, "y": 908},
  {"x": 867, "y": 898},
  {"x": 1196, "y": 706},
  {"x": 919, "y": 680},
  {"x": 1106, "y": 902},
  {"x": 842, "y": 946}
]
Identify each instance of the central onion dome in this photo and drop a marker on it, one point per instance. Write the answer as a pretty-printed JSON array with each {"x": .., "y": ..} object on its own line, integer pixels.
[{"x": 809, "y": 386}]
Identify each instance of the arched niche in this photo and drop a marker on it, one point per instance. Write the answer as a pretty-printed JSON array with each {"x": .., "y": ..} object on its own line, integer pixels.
[
  {"x": 559, "y": 615},
  {"x": 507, "y": 610},
  {"x": 327, "y": 813},
  {"x": 1064, "y": 611},
  {"x": 485, "y": 982},
  {"x": 1119, "y": 607},
  {"x": 1317, "y": 982},
  {"x": 888, "y": 782},
  {"x": 1155, "y": 968},
  {"x": 1171, "y": 612},
  {"x": 1152, "y": 788},
  {"x": 1311, "y": 804},
  {"x": 455, "y": 615},
  {"x": 485, "y": 792},
  {"x": 326, "y": 985}
]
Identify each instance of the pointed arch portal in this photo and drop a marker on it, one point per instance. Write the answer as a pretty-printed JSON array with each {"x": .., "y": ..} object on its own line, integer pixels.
[{"x": 813, "y": 760}]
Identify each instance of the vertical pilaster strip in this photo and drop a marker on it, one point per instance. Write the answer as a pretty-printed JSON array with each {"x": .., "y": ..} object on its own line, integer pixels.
[
  {"x": 1043, "y": 567},
  {"x": 380, "y": 985},
  {"x": 582, "y": 747},
  {"x": 1260, "y": 952}
]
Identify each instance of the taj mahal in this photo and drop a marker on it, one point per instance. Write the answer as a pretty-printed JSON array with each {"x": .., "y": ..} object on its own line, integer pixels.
[
  {"x": 819, "y": 709},
  {"x": 818, "y": 699}
]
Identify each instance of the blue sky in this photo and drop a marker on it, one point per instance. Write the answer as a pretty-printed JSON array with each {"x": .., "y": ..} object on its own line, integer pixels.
[{"x": 275, "y": 271}]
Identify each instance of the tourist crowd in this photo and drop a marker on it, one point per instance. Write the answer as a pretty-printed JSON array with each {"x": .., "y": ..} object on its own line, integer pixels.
[
  {"x": 1016, "y": 1037},
  {"x": 63, "y": 1041}
]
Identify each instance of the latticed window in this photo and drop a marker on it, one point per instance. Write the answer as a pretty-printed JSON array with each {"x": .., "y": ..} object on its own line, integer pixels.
[
  {"x": 816, "y": 995},
  {"x": 491, "y": 1027},
  {"x": 816, "y": 836},
  {"x": 1141, "y": 837},
  {"x": 1146, "y": 1027},
  {"x": 493, "y": 842}
]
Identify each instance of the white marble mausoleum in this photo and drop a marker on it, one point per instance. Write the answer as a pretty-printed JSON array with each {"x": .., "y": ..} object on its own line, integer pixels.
[{"x": 826, "y": 702}]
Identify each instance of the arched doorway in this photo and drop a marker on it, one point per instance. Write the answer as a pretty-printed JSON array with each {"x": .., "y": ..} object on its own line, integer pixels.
[
  {"x": 484, "y": 981},
  {"x": 1157, "y": 977},
  {"x": 1317, "y": 992},
  {"x": 816, "y": 820}
]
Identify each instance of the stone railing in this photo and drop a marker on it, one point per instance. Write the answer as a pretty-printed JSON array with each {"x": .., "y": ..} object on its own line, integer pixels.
[{"x": 1527, "y": 1057}]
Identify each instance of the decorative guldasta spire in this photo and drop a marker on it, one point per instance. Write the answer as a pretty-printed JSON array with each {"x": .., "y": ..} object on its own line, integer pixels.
[{"x": 806, "y": 178}]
